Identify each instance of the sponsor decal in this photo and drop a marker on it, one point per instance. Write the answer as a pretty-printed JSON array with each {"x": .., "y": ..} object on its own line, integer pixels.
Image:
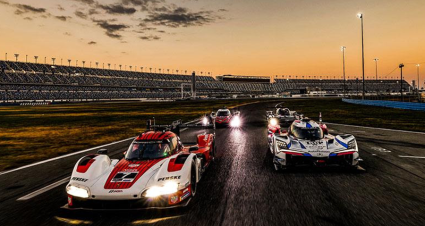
[
  {"x": 314, "y": 142},
  {"x": 169, "y": 178},
  {"x": 131, "y": 170},
  {"x": 185, "y": 195},
  {"x": 124, "y": 177},
  {"x": 133, "y": 165},
  {"x": 79, "y": 179},
  {"x": 115, "y": 191},
  {"x": 174, "y": 199}
]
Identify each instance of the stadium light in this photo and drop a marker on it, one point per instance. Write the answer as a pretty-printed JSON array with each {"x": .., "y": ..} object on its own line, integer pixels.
[
  {"x": 35, "y": 58},
  {"x": 168, "y": 70},
  {"x": 84, "y": 62},
  {"x": 150, "y": 69},
  {"x": 417, "y": 66},
  {"x": 61, "y": 61},
  {"x": 109, "y": 66},
  {"x": 103, "y": 66},
  {"x": 26, "y": 58},
  {"x": 401, "y": 80},
  {"x": 343, "y": 68},
  {"x": 76, "y": 63},
  {"x": 132, "y": 67},
  {"x": 69, "y": 62},
  {"x": 16, "y": 56},
  {"x": 97, "y": 64},
  {"x": 360, "y": 16},
  {"x": 376, "y": 67},
  {"x": 120, "y": 66},
  {"x": 5, "y": 56},
  {"x": 53, "y": 60},
  {"x": 141, "y": 68},
  {"x": 45, "y": 60}
]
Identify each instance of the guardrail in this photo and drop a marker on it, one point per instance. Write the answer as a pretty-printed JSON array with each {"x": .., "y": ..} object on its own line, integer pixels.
[{"x": 389, "y": 104}]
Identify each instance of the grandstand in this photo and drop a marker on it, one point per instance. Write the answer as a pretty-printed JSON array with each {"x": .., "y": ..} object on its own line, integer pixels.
[{"x": 28, "y": 82}]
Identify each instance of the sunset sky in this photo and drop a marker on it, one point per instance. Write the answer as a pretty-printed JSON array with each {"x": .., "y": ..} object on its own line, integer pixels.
[{"x": 249, "y": 37}]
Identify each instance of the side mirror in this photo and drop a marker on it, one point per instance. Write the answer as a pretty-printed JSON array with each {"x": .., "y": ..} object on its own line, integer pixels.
[
  {"x": 102, "y": 151},
  {"x": 193, "y": 148}
]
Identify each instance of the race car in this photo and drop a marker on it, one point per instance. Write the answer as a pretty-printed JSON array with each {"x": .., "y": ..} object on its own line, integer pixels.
[
  {"x": 223, "y": 117},
  {"x": 282, "y": 116},
  {"x": 157, "y": 171},
  {"x": 309, "y": 143}
]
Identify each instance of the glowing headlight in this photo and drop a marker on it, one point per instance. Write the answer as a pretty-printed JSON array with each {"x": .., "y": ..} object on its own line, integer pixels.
[
  {"x": 236, "y": 122},
  {"x": 273, "y": 122},
  {"x": 77, "y": 191},
  {"x": 281, "y": 145},
  {"x": 205, "y": 121},
  {"x": 168, "y": 188}
]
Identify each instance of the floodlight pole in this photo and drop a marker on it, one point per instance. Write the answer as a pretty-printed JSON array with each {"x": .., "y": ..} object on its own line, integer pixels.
[
  {"x": 343, "y": 68},
  {"x": 361, "y": 18},
  {"x": 401, "y": 80}
]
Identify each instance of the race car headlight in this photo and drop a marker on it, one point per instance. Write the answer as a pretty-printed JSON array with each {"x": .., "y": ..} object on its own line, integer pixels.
[
  {"x": 236, "y": 122},
  {"x": 352, "y": 144},
  {"x": 168, "y": 188},
  {"x": 273, "y": 122},
  {"x": 281, "y": 145},
  {"x": 205, "y": 121},
  {"x": 77, "y": 191}
]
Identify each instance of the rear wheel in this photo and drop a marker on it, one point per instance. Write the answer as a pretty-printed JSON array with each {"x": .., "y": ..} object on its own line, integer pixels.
[{"x": 193, "y": 184}]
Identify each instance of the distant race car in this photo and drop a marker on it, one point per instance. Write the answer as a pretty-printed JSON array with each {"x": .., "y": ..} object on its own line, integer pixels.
[
  {"x": 308, "y": 143},
  {"x": 157, "y": 171},
  {"x": 223, "y": 117},
  {"x": 282, "y": 116}
]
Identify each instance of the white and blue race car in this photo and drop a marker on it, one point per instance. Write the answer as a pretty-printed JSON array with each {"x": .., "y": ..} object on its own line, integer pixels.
[{"x": 309, "y": 143}]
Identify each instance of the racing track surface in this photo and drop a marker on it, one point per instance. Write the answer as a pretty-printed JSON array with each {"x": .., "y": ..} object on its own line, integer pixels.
[{"x": 241, "y": 188}]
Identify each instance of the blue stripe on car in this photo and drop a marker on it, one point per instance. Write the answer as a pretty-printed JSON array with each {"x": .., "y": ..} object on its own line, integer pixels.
[{"x": 342, "y": 143}]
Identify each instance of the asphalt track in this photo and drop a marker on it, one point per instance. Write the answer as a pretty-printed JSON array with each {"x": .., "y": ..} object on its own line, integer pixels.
[{"x": 241, "y": 187}]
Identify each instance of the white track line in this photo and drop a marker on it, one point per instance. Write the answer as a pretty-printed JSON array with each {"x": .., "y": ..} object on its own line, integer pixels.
[
  {"x": 42, "y": 190},
  {"x": 365, "y": 127},
  {"x": 414, "y": 157},
  {"x": 64, "y": 156}
]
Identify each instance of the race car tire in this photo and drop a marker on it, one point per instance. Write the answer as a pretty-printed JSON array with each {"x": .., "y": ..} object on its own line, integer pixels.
[
  {"x": 193, "y": 184},
  {"x": 213, "y": 151}
]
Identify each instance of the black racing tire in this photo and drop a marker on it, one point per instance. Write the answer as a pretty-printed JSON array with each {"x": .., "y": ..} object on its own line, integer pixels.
[
  {"x": 193, "y": 184},
  {"x": 213, "y": 151}
]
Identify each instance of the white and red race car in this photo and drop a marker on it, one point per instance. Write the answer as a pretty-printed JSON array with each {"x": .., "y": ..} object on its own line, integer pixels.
[{"x": 156, "y": 172}]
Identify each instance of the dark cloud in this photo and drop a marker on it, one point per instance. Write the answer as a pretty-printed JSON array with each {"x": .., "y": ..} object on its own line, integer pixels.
[
  {"x": 223, "y": 10},
  {"x": 111, "y": 30},
  {"x": 63, "y": 18},
  {"x": 4, "y": 2},
  {"x": 180, "y": 17},
  {"x": 92, "y": 43},
  {"x": 22, "y": 8},
  {"x": 67, "y": 34},
  {"x": 27, "y": 18},
  {"x": 150, "y": 38},
  {"x": 60, "y": 8},
  {"x": 80, "y": 14},
  {"x": 118, "y": 9},
  {"x": 88, "y": 2}
]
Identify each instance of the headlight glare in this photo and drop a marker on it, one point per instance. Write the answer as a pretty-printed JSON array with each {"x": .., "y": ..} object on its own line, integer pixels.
[
  {"x": 273, "y": 122},
  {"x": 168, "y": 188},
  {"x": 236, "y": 122},
  {"x": 77, "y": 191}
]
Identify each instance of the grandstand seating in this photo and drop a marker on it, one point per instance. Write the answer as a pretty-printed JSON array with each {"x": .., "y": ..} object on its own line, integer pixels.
[{"x": 30, "y": 81}]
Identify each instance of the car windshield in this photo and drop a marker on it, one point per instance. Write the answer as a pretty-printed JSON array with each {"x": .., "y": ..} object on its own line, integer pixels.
[
  {"x": 148, "y": 150},
  {"x": 223, "y": 113},
  {"x": 307, "y": 133},
  {"x": 283, "y": 112}
]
